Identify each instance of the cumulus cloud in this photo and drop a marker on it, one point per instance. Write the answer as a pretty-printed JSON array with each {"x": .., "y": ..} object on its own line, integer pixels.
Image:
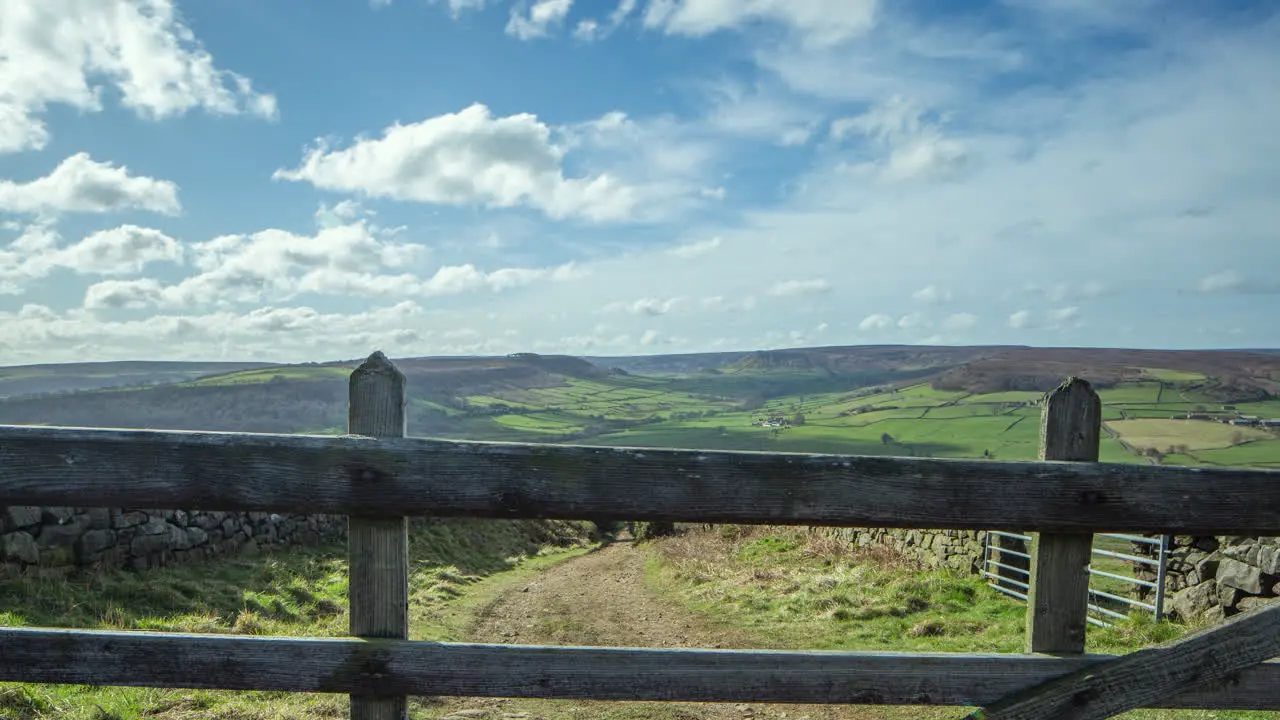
[
  {"x": 877, "y": 321},
  {"x": 124, "y": 250},
  {"x": 67, "y": 52},
  {"x": 533, "y": 21},
  {"x": 271, "y": 265},
  {"x": 813, "y": 22},
  {"x": 281, "y": 333},
  {"x": 81, "y": 184},
  {"x": 932, "y": 295},
  {"x": 796, "y": 288},
  {"x": 466, "y": 158},
  {"x": 1021, "y": 320}
]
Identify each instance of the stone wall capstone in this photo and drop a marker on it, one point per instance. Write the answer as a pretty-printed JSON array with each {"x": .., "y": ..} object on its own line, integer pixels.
[{"x": 68, "y": 538}]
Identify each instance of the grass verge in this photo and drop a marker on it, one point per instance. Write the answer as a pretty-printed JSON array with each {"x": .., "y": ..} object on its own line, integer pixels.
[
  {"x": 296, "y": 591},
  {"x": 797, "y": 588}
]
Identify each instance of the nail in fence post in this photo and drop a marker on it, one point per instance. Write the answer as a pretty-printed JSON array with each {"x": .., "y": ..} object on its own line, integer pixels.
[
  {"x": 378, "y": 547},
  {"x": 1058, "y": 601}
]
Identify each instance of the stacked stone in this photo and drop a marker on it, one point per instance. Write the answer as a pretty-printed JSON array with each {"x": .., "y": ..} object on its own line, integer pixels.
[
  {"x": 1216, "y": 577},
  {"x": 955, "y": 549},
  {"x": 64, "y": 538}
]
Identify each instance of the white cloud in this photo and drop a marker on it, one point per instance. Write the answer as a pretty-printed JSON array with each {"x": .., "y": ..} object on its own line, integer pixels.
[
  {"x": 1229, "y": 281},
  {"x": 276, "y": 264},
  {"x": 456, "y": 7},
  {"x": 913, "y": 320},
  {"x": 960, "y": 322},
  {"x": 699, "y": 248},
  {"x": 120, "y": 251},
  {"x": 81, "y": 184},
  {"x": 1225, "y": 280},
  {"x": 341, "y": 213},
  {"x": 666, "y": 164},
  {"x": 67, "y": 52},
  {"x": 541, "y": 16},
  {"x": 464, "y": 158},
  {"x": 1021, "y": 320},
  {"x": 124, "y": 250},
  {"x": 814, "y": 22},
  {"x": 644, "y": 306},
  {"x": 288, "y": 334},
  {"x": 795, "y": 288},
  {"x": 932, "y": 295},
  {"x": 914, "y": 148},
  {"x": 760, "y": 112},
  {"x": 1065, "y": 317},
  {"x": 876, "y": 321},
  {"x": 591, "y": 30}
]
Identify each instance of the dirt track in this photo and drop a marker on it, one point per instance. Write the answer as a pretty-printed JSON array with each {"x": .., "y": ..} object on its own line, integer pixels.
[{"x": 601, "y": 599}]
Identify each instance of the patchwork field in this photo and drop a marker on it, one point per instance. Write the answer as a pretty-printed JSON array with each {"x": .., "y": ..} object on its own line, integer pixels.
[{"x": 921, "y": 421}]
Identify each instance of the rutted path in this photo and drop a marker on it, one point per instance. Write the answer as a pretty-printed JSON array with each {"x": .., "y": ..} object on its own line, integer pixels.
[{"x": 601, "y": 599}]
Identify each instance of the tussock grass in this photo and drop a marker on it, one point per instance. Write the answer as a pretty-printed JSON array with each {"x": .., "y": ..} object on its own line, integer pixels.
[
  {"x": 296, "y": 591},
  {"x": 801, "y": 588}
]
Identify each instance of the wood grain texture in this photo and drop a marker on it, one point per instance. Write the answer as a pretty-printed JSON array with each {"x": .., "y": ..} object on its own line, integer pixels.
[
  {"x": 378, "y": 548},
  {"x": 1058, "y": 600},
  {"x": 396, "y": 477},
  {"x": 399, "y": 667},
  {"x": 1203, "y": 659}
]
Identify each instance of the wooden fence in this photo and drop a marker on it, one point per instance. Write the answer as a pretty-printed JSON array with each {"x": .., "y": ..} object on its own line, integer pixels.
[{"x": 377, "y": 477}]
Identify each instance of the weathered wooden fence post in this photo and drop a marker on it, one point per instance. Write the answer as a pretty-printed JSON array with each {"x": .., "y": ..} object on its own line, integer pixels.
[
  {"x": 1058, "y": 600},
  {"x": 378, "y": 547}
]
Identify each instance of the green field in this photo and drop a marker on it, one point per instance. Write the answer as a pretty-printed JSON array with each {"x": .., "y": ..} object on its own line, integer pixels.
[
  {"x": 920, "y": 421},
  {"x": 288, "y": 372}
]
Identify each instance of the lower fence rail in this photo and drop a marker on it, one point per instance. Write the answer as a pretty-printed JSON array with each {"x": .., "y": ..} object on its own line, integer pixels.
[{"x": 401, "y": 667}]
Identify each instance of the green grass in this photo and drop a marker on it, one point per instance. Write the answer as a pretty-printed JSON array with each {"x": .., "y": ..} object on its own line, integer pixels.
[
  {"x": 1172, "y": 376},
  {"x": 1131, "y": 393},
  {"x": 298, "y": 591},
  {"x": 551, "y": 423},
  {"x": 800, "y": 589},
  {"x": 1196, "y": 434},
  {"x": 293, "y": 373}
]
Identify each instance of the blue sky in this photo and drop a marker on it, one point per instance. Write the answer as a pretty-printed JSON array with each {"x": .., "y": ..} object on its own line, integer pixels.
[{"x": 243, "y": 180}]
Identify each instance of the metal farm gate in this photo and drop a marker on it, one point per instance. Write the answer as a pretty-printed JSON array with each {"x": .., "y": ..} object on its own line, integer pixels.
[{"x": 1006, "y": 560}]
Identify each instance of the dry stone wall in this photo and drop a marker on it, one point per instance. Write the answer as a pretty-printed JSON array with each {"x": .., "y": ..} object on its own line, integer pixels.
[
  {"x": 955, "y": 549},
  {"x": 1216, "y": 577},
  {"x": 1207, "y": 578},
  {"x": 66, "y": 538}
]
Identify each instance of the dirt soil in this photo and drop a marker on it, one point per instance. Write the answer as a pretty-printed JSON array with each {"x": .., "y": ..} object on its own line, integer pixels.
[{"x": 601, "y": 599}]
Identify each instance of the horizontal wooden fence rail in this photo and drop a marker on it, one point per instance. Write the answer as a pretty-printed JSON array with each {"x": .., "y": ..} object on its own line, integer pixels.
[
  {"x": 378, "y": 481},
  {"x": 395, "y": 477},
  {"x": 401, "y": 667}
]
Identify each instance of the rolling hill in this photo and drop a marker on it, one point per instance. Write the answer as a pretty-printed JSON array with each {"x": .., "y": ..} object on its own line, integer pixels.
[{"x": 1161, "y": 406}]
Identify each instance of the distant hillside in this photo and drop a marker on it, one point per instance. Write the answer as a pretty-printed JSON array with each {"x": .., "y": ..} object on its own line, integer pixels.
[
  {"x": 708, "y": 399},
  {"x": 21, "y": 380},
  {"x": 688, "y": 364}
]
